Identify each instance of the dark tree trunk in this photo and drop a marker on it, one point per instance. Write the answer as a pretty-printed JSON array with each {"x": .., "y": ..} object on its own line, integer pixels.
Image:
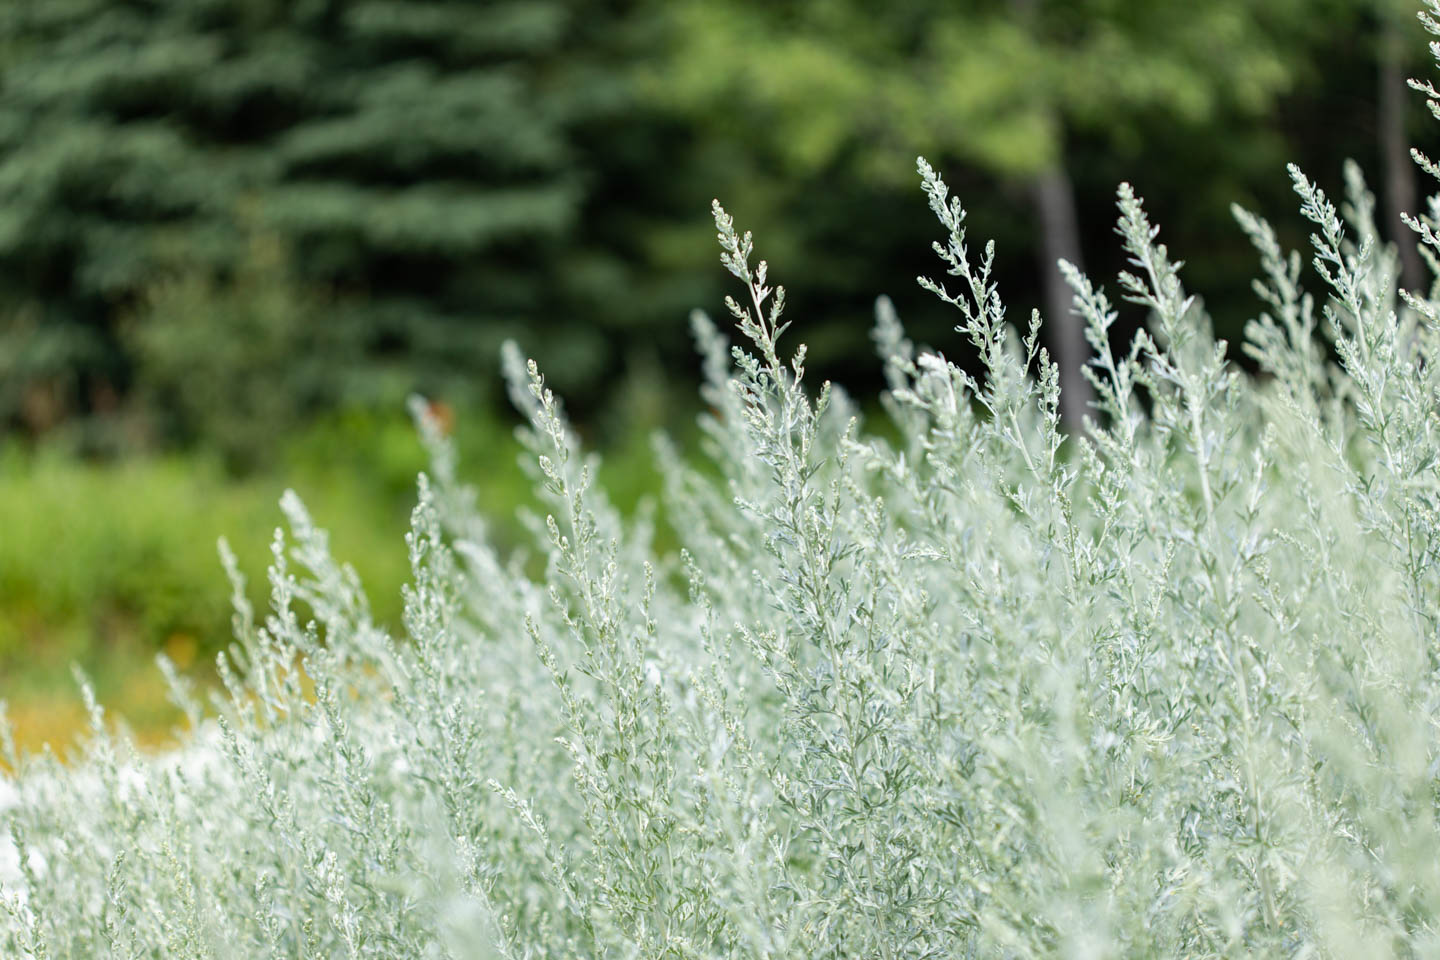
[
  {"x": 1054, "y": 198},
  {"x": 1400, "y": 177}
]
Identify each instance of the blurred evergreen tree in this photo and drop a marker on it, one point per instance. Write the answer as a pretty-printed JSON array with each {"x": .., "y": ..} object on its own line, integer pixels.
[{"x": 425, "y": 163}]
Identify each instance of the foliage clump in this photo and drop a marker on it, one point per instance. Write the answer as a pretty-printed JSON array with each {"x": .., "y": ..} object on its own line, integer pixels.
[{"x": 1168, "y": 688}]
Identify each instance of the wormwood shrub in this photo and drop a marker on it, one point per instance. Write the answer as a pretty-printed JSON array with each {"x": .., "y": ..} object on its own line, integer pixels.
[{"x": 1171, "y": 691}]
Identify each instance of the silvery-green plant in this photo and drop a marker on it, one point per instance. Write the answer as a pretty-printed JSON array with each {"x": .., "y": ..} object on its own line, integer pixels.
[{"x": 1167, "y": 688}]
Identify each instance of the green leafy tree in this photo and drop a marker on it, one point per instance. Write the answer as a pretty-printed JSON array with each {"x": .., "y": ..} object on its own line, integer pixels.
[{"x": 1005, "y": 86}]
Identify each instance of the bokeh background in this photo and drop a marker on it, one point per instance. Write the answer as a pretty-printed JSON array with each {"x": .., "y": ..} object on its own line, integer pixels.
[{"x": 236, "y": 234}]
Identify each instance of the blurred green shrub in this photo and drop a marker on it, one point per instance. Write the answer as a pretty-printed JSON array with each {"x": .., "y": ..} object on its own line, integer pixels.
[
  {"x": 98, "y": 556},
  {"x": 108, "y": 563},
  {"x": 233, "y": 361}
]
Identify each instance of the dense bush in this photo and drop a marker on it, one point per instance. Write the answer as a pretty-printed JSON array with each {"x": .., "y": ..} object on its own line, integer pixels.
[{"x": 1166, "y": 689}]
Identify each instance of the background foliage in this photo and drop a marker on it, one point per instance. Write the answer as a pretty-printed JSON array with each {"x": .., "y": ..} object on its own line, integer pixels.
[{"x": 193, "y": 190}]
